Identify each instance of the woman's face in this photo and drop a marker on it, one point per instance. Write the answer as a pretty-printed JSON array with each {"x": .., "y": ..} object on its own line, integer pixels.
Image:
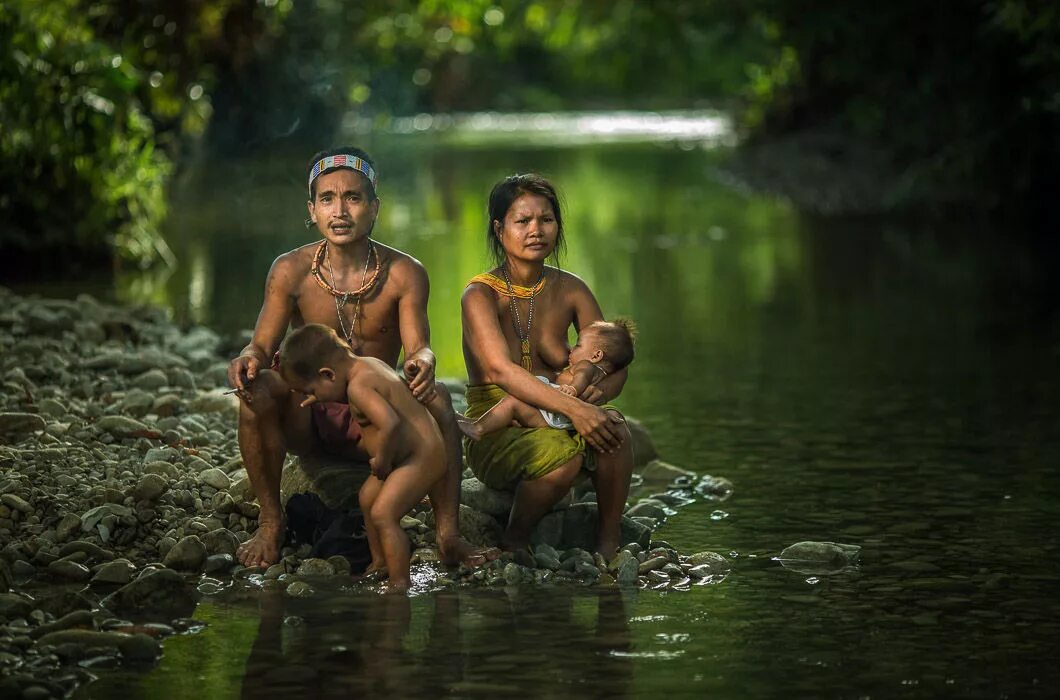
[{"x": 529, "y": 229}]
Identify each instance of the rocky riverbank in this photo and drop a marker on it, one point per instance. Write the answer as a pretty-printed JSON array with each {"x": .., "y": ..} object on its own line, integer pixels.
[{"x": 123, "y": 499}]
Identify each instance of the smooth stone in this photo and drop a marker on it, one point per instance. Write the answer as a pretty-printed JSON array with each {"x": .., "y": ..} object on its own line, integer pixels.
[
  {"x": 644, "y": 450},
  {"x": 220, "y": 541},
  {"x": 715, "y": 562},
  {"x": 188, "y": 554},
  {"x": 70, "y": 570},
  {"x": 92, "y": 518},
  {"x": 477, "y": 528},
  {"x": 482, "y": 498},
  {"x": 123, "y": 427},
  {"x": 275, "y": 571},
  {"x": 13, "y": 605},
  {"x": 316, "y": 567},
  {"x": 216, "y": 478},
  {"x": 300, "y": 589},
  {"x": 140, "y": 647},
  {"x": 91, "y": 549},
  {"x": 150, "y": 380},
  {"x": 14, "y": 423},
  {"x": 156, "y": 590},
  {"x": 628, "y": 571},
  {"x": 652, "y": 564},
  {"x": 579, "y": 528},
  {"x": 549, "y": 531},
  {"x": 660, "y": 472},
  {"x": 341, "y": 565},
  {"x": 52, "y": 408},
  {"x": 149, "y": 487},
  {"x": 649, "y": 510},
  {"x": 714, "y": 488},
  {"x": 832, "y": 553},
  {"x": 68, "y": 526},
  {"x": 16, "y": 502},
  {"x": 160, "y": 454},
  {"x": 218, "y": 563},
  {"x": 82, "y": 619},
  {"x": 161, "y": 468},
  {"x": 114, "y": 573}
]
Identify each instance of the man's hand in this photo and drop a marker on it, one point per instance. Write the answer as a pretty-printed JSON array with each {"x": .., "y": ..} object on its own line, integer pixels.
[
  {"x": 598, "y": 427},
  {"x": 380, "y": 469},
  {"x": 241, "y": 372},
  {"x": 419, "y": 373},
  {"x": 568, "y": 390}
]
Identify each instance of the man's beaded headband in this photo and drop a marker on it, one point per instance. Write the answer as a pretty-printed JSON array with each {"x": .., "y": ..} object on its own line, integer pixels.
[{"x": 344, "y": 161}]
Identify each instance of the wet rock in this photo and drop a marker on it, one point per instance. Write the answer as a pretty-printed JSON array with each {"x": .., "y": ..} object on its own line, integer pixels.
[
  {"x": 643, "y": 446},
  {"x": 579, "y": 528},
  {"x": 93, "y": 517},
  {"x": 140, "y": 647},
  {"x": 714, "y": 488},
  {"x": 63, "y": 602},
  {"x": 91, "y": 549},
  {"x": 316, "y": 567},
  {"x": 13, "y": 605},
  {"x": 660, "y": 472},
  {"x": 477, "y": 495},
  {"x": 157, "y": 590},
  {"x": 72, "y": 571},
  {"x": 161, "y": 468},
  {"x": 647, "y": 508},
  {"x": 114, "y": 573},
  {"x": 220, "y": 541},
  {"x": 20, "y": 424},
  {"x": 218, "y": 563},
  {"x": 215, "y": 401},
  {"x": 715, "y": 563},
  {"x": 300, "y": 589},
  {"x": 82, "y": 619},
  {"x": 549, "y": 531},
  {"x": 819, "y": 557},
  {"x": 651, "y": 564},
  {"x": 188, "y": 554}
]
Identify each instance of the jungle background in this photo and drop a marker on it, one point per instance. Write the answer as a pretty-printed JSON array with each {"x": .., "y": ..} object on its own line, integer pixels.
[{"x": 956, "y": 105}]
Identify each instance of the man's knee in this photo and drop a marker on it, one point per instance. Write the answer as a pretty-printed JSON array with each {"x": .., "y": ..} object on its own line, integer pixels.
[{"x": 267, "y": 393}]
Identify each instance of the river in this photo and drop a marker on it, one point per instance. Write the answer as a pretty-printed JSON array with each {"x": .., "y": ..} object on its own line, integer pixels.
[{"x": 880, "y": 383}]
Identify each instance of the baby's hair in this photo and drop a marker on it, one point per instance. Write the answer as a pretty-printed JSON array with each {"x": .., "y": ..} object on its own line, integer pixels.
[
  {"x": 617, "y": 338},
  {"x": 308, "y": 349}
]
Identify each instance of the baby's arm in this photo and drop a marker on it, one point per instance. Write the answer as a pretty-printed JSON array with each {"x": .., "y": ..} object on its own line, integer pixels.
[
  {"x": 582, "y": 375},
  {"x": 365, "y": 395}
]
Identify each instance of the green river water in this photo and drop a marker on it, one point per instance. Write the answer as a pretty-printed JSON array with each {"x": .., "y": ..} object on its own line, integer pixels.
[{"x": 882, "y": 384}]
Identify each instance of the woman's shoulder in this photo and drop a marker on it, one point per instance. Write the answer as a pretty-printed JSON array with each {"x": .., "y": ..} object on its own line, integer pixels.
[{"x": 569, "y": 283}]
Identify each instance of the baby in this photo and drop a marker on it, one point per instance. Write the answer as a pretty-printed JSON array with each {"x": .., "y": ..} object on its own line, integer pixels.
[
  {"x": 603, "y": 347},
  {"x": 407, "y": 454}
]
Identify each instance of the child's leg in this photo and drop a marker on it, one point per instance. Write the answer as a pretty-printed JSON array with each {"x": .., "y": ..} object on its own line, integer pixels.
[
  {"x": 366, "y": 497},
  {"x": 507, "y": 411},
  {"x": 405, "y": 487}
]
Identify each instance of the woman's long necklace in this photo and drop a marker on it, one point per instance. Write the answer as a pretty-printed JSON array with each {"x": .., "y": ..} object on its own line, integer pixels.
[
  {"x": 524, "y": 340},
  {"x": 342, "y": 297}
]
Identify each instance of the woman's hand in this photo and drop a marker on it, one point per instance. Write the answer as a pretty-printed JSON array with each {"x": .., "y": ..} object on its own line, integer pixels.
[{"x": 598, "y": 427}]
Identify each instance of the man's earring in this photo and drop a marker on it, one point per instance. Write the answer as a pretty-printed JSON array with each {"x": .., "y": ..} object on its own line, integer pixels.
[{"x": 309, "y": 223}]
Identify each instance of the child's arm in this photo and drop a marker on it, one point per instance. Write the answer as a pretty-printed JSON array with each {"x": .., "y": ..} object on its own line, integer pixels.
[
  {"x": 583, "y": 375},
  {"x": 383, "y": 417}
]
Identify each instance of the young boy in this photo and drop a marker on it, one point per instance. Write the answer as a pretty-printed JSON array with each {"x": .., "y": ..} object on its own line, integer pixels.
[
  {"x": 603, "y": 347},
  {"x": 407, "y": 454}
]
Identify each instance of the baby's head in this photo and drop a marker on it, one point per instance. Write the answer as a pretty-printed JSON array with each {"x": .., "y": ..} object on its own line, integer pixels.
[
  {"x": 310, "y": 358},
  {"x": 606, "y": 343}
]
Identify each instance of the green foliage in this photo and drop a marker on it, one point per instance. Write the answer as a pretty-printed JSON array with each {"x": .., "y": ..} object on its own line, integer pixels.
[
  {"x": 965, "y": 95},
  {"x": 78, "y": 168}
]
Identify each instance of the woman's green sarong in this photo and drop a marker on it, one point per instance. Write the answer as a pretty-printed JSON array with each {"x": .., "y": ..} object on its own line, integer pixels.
[{"x": 503, "y": 458}]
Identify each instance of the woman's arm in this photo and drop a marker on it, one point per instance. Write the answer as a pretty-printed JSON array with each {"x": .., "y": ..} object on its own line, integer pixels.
[{"x": 486, "y": 342}]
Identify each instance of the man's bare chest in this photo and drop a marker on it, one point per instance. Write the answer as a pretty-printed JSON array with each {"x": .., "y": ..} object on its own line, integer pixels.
[{"x": 371, "y": 319}]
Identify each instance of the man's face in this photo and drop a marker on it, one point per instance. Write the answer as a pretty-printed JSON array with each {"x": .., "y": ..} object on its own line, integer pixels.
[{"x": 341, "y": 208}]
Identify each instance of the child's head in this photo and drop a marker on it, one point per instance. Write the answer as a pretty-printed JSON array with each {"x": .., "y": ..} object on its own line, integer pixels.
[
  {"x": 606, "y": 342},
  {"x": 309, "y": 358}
]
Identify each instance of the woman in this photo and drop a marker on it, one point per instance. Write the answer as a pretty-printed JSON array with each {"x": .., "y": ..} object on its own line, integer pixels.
[{"x": 515, "y": 324}]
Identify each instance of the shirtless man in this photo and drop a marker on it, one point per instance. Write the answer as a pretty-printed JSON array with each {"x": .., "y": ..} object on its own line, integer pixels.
[{"x": 373, "y": 296}]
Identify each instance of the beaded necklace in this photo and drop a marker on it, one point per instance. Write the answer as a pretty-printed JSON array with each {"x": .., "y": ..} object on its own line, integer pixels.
[
  {"x": 524, "y": 340},
  {"x": 342, "y": 297}
]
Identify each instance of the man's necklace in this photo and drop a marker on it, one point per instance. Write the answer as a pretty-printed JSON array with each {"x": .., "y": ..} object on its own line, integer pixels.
[
  {"x": 342, "y": 297},
  {"x": 524, "y": 340}
]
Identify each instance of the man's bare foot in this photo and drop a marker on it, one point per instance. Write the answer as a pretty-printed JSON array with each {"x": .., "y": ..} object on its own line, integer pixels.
[
  {"x": 457, "y": 550},
  {"x": 263, "y": 548},
  {"x": 397, "y": 587},
  {"x": 469, "y": 428},
  {"x": 607, "y": 547}
]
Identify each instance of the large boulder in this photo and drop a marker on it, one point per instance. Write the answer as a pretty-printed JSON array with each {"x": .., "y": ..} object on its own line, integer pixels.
[
  {"x": 579, "y": 528},
  {"x": 155, "y": 591}
]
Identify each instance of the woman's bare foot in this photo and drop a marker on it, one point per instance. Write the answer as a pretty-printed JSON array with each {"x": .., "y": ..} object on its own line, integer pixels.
[
  {"x": 469, "y": 428},
  {"x": 263, "y": 548},
  {"x": 608, "y": 546},
  {"x": 456, "y": 550}
]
